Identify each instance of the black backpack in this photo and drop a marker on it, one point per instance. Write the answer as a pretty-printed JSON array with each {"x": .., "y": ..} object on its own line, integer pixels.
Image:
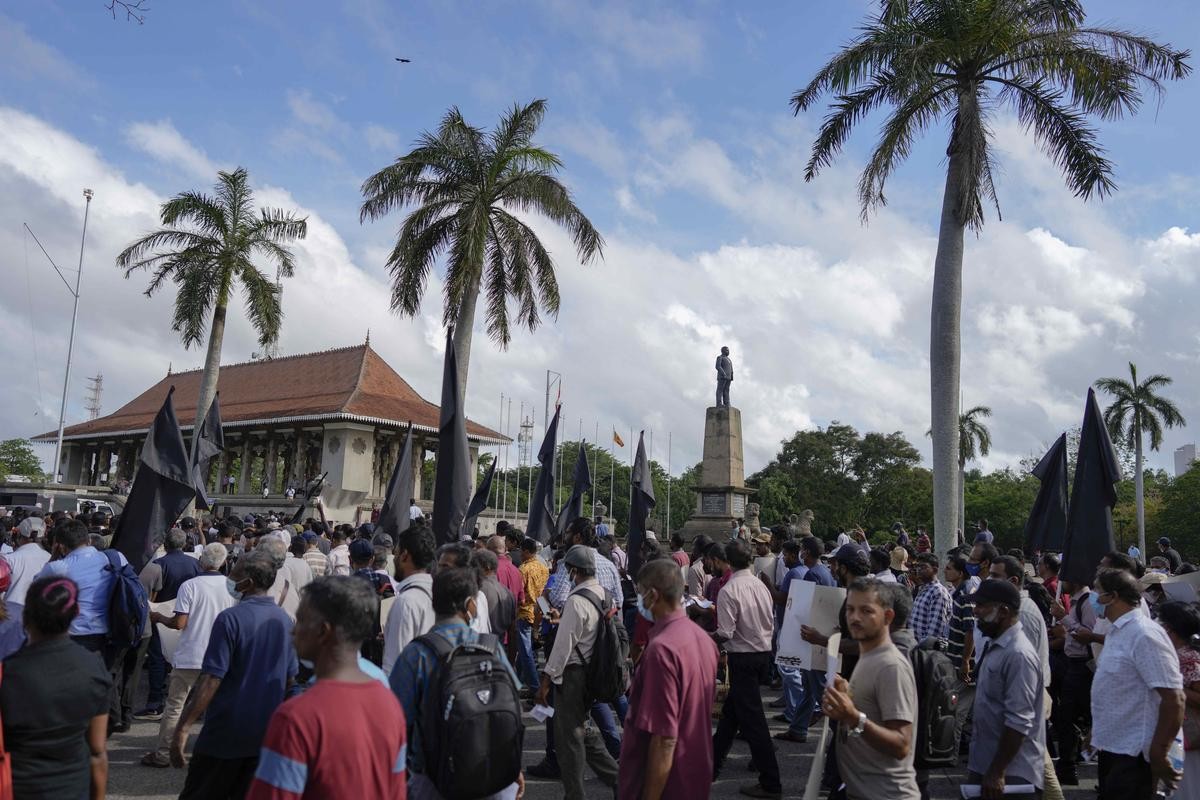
[
  {"x": 937, "y": 704},
  {"x": 606, "y": 673},
  {"x": 128, "y": 605},
  {"x": 471, "y": 729}
]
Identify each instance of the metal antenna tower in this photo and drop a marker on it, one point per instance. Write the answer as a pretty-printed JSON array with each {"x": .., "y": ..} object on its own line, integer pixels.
[{"x": 95, "y": 392}]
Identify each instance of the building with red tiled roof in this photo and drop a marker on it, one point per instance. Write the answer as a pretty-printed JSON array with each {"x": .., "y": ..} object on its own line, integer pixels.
[{"x": 285, "y": 420}]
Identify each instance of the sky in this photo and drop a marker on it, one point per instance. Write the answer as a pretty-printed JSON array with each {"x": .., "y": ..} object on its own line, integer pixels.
[{"x": 673, "y": 124}]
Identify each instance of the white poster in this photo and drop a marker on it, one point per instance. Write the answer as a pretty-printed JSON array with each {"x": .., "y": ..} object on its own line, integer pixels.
[
  {"x": 168, "y": 637},
  {"x": 812, "y": 605},
  {"x": 765, "y": 565}
]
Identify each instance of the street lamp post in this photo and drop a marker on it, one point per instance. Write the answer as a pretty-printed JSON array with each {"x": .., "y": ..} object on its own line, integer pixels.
[{"x": 62, "y": 413}]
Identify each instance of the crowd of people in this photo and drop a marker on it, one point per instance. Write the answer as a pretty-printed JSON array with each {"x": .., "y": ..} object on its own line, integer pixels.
[{"x": 329, "y": 660}]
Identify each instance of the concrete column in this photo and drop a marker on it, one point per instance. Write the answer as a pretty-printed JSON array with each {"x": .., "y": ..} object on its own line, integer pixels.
[
  {"x": 103, "y": 472},
  {"x": 474, "y": 451},
  {"x": 271, "y": 456},
  {"x": 418, "y": 456},
  {"x": 299, "y": 457},
  {"x": 243, "y": 482}
]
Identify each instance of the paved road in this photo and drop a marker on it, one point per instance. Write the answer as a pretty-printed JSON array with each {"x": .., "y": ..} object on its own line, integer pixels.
[{"x": 128, "y": 780}]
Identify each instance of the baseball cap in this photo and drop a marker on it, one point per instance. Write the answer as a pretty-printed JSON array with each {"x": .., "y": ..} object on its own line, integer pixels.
[
  {"x": 32, "y": 528},
  {"x": 187, "y": 523},
  {"x": 997, "y": 591},
  {"x": 899, "y": 558},
  {"x": 308, "y": 536},
  {"x": 361, "y": 550},
  {"x": 580, "y": 556},
  {"x": 851, "y": 554},
  {"x": 762, "y": 538},
  {"x": 1165, "y": 540}
]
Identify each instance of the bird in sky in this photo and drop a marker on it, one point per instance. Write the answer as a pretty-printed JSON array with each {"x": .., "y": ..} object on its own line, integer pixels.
[{"x": 404, "y": 60}]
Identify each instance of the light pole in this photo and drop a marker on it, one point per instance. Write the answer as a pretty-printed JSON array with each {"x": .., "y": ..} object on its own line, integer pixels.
[{"x": 62, "y": 412}]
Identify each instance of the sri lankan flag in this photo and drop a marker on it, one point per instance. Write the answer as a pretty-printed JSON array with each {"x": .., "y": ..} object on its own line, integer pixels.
[{"x": 617, "y": 439}]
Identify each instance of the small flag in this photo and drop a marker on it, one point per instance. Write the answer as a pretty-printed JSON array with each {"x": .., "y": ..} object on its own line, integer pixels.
[{"x": 617, "y": 439}]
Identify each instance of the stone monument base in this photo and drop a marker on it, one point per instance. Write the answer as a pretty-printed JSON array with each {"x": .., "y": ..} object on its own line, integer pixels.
[{"x": 722, "y": 494}]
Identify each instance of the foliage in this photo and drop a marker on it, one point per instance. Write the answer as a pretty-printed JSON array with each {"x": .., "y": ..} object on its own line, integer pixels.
[
  {"x": 1004, "y": 498},
  {"x": 1137, "y": 409},
  {"x": 1180, "y": 508},
  {"x": 18, "y": 458}
]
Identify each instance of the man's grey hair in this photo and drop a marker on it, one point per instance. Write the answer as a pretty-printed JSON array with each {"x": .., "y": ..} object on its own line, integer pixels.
[
  {"x": 275, "y": 548},
  {"x": 175, "y": 540},
  {"x": 213, "y": 556},
  {"x": 485, "y": 561}
]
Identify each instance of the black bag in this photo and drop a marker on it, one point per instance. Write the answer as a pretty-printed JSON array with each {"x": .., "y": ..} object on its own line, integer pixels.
[
  {"x": 606, "y": 673},
  {"x": 128, "y": 605},
  {"x": 471, "y": 729},
  {"x": 937, "y": 704}
]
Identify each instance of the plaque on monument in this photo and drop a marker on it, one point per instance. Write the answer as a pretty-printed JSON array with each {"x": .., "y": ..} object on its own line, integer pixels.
[
  {"x": 739, "y": 505},
  {"x": 712, "y": 503}
]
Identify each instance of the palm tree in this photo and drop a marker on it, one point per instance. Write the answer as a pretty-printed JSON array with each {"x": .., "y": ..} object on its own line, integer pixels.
[
  {"x": 1138, "y": 410},
  {"x": 962, "y": 60},
  {"x": 974, "y": 439},
  {"x": 208, "y": 245},
  {"x": 465, "y": 185}
]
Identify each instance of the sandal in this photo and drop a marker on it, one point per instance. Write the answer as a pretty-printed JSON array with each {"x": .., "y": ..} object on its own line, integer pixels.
[{"x": 155, "y": 760}]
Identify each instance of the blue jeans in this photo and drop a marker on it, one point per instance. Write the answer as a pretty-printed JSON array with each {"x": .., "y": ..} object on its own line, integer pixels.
[
  {"x": 526, "y": 663},
  {"x": 802, "y": 689},
  {"x": 156, "y": 665}
]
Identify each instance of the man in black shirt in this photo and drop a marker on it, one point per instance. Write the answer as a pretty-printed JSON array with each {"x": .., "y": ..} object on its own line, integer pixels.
[{"x": 1169, "y": 553}]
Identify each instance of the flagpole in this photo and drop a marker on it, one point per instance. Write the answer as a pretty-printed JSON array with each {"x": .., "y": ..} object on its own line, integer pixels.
[
  {"x": 500, "y": 428},
  {"x": 612, "y": 466},
  {"x": 669, "y": 481},
  {"x": 595, "y": 463},
  {"x": 632, "y": 448}
]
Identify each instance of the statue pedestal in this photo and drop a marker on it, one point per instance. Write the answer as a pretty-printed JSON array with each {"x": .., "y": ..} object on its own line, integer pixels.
[{"x": 722, "y": 493}]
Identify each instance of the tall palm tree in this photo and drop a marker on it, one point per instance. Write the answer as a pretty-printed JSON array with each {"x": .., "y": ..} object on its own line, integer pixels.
[
  {"x": 974, "y": 439},
  {"x": 1137, "y": 410},
  {"x": 963, "y": 60},
  {"x": 207, "y": 247},
  {"x": 466, "y": 187}
]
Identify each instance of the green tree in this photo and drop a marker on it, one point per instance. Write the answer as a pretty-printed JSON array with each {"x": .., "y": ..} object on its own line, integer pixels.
[
  {"x": 208, "y": 248},
  {"x": 961, "y": 60},
  {"x": 974, "y": 439},
  {"x": 1138, "y": 410},
  {"x": 1178, "y": 514},
  {"x": 18, "y": 458},
  {"x": 466, "y": 185},
  {"x": 1004, "y": 498}
]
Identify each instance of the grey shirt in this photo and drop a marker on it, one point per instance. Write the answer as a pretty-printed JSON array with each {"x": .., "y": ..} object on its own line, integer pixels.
[{"x": 1008, "y": 694}]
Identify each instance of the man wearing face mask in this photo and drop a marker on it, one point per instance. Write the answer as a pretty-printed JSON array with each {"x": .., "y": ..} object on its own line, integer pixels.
[
  {"x": 1074, "y": 698},
  {"x": 248, "y": 667},
  {"x": 979, "y": 564},
  {"x": 666, "y": 751},
  {"x": 1008, "y": 740}
]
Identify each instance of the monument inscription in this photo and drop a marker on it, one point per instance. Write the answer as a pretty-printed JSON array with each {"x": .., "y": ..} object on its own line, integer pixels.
[{"x": 713, "y": 503}]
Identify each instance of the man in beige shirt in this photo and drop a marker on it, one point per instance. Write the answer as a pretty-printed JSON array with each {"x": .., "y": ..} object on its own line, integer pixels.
[
  {"x": 577, "y": 744},
  {"x": 745, "y": 622}
]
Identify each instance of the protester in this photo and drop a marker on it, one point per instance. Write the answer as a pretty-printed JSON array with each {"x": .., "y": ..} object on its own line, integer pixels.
[
  {"x": 414, "y": 510},
  {"x": 923, "y": 544},
  {"x": 339, "y": 553},
  {"x": 1048, "y": 569},
  {"x": 575, "y": 743},
  {"x": 197, "y": 605},
  {"x": 697, "y": 576},
  {"x": 1137, "y": 694},
  {"x": 1008, "y": 740},
  {"x": 1181, "y": 621},
  {"x": 881, "y": 565},
  {"x": 507, "y": 574},
  {"x": 979, "y": 563},
  {"x": 932, "y": 603},
  {"x": 678, "y": 553},
  {"x": 454, "y": 596},
  {"x": 745, "y": 623},
  {"x": 457, "y": 555},
  {"x": 1169, "y": 553},
  {"x": 534, "y": 575},
  {"x": 317, "y": 561},
  {"x": 899, "y": 566},
  {"x": 667, "y": 748},
  {"x": 54, "y": 700},
  {"x": 984, "y": 535},
  {"x": 346, "y": 734},
  {"x": 1073, "y": 710},
  {"x": 411, "y": 614},
  {"x": 26, "y": 561},
  {"x": 962, "y": 618},
  {"x": 502, "y": 606},
  {"x": 248, "y": 668},
  {"x": 173, "y": 569},
  {"x": 876, "y": 710}
]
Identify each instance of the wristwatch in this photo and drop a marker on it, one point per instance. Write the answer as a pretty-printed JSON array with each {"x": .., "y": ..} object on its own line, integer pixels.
[{"x": 858, "y": 729}]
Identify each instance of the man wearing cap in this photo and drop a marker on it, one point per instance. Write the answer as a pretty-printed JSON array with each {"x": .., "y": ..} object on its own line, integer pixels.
[
  {"x": 1169, "y": 553},
  {"x": 26, "y": 561},
  {"x": 577, "y": 744},
  {"x": 1008, "y": 741}
]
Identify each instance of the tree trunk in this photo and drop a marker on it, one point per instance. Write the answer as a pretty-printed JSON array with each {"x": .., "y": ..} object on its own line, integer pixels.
[
  {"x": 463, "y": 329},
  {"x": 212, "y": 365},
  {"x": 944, "y": 357},
  {"x": 1141, "y": 501},
  {"x": 962, "y": 495}
]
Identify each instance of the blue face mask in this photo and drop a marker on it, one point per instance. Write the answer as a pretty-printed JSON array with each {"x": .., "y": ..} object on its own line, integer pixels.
[
  {"x": 972, "y": 569},
  {"x": 645, "y": 612},
  {"x": 232, "y": 588},
  {"x": 1097, "y": 606}
]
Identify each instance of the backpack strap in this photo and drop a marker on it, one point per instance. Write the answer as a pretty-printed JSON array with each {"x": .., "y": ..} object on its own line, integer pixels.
[{"x": 114, "y": 559}]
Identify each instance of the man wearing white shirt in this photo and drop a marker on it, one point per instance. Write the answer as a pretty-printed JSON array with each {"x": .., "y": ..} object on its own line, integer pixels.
[
  {"x": 411, "y": 614},
  {"x": 414, "y": 510},
  {"x": 26, "y": 562},
  {"x": 197, "y": 605},
  {"x": 339, "y": 554}
]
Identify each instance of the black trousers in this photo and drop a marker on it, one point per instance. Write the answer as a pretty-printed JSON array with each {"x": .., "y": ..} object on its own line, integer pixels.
[
  {"x": 113, "y": 660},
  {"x": 1125, "y": 777},
  {"x": 211, "y": 778},
  {"x": 1074, "y": 707},
  {"x": 743, "y": 710}
]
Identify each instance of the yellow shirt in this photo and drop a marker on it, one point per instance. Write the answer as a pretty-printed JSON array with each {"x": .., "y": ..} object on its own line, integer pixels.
[{"x": 535, "y": 574}]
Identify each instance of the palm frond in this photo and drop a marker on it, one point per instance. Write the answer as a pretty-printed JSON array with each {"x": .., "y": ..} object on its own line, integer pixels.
[{"x": 262, "y": 303}]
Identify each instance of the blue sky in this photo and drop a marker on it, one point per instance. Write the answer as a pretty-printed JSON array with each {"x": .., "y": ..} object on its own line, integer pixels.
[{"x": 673, "y": 123}]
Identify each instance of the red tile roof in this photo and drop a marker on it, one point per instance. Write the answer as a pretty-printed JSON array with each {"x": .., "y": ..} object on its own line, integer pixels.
[{"x": 351, "y": 383}]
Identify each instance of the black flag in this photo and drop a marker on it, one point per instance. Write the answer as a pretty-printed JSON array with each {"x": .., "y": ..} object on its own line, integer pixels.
[
  {"x": 1089, "y": 517},
  {"x": 393, "y": 517},
  {"x": 540, "y": 525},
  {"x": 209, "y": 443},
  {"x": 311, "y": 490},
  {"x": 162, "y": 489},
  {"x": 479, "y": 501},
  {"x": 1046, "y": 528},
  {"x": 452, "y": 482},
  {"x": 582, "y": 483},
  {"x": 640, "y": 506}
]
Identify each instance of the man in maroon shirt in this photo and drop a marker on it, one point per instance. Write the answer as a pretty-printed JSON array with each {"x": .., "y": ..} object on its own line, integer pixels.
[
  {"x": 666, "y": 751},
  {"x": 508, "y": 575}
]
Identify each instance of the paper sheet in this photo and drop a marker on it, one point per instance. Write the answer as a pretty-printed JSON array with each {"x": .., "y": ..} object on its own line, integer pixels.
[
  {"x": 812, "y": 605},
  {"x": 168, "y": 637}
]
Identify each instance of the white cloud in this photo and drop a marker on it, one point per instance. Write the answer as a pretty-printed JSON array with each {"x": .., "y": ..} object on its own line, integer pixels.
[
  {"x": 24, "y": 57},
  {"x": 649, "y": 37},
  {"x": 312, "y": 112},
  {"x": 163, "y": 141},
  {"x": 380, "y": 138}
]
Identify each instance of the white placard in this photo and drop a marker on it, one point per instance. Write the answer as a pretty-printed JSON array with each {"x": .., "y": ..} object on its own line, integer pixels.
[
  {"x": 168, "y": 638},
  {"x": 813, "y": 605},
  {"x": 812, "y": 790},
  {"x": 765, "y": 565}
]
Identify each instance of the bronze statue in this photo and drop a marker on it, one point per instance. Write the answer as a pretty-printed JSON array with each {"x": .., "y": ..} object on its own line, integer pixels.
[{"x": 724, "y": 377}]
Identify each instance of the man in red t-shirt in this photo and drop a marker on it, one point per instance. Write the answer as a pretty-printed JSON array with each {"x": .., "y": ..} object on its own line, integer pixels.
[
  {"x": 667, "y": 749},
  {"x": 344, "y": 737}
]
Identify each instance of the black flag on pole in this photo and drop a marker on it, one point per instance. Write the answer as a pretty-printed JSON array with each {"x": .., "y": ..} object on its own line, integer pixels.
[
  {"x": 452, "y": 482},
  {"x": 641, "y": 503},
  {"x": 394, "y": 517},
  {"x": 582, "y": 482},
  {"x": 210, "y": 442},
  {"x": 162, "y": 489},
  {"x": 311, "y": 490},
  {"x": 1046, "y": 528},
  {"x": 541, "y": 513},
  {"x": 479, "y": 501},
  {"x": 1089, "y": 516}
]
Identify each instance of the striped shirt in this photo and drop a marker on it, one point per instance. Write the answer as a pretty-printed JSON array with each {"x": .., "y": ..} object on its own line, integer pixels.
[
  {"x": 931, "y": 612},
  {"x": 962, "y": 623}
]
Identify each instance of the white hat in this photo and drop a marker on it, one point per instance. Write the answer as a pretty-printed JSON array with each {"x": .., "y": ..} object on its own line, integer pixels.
[{"x": 32, "y": 528}]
